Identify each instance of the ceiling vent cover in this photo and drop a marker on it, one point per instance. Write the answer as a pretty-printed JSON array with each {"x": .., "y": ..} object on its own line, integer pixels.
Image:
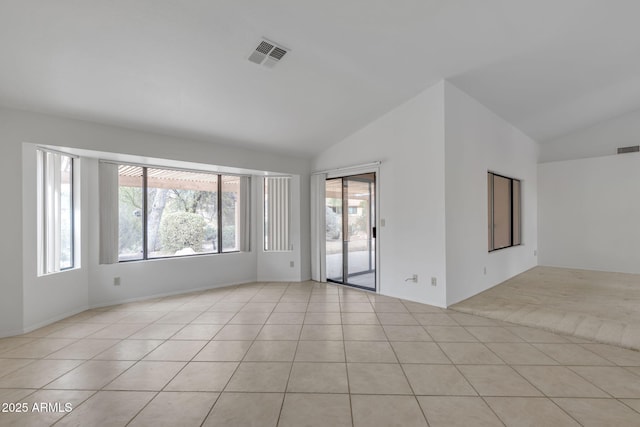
[{"x": 268, "y": 53}]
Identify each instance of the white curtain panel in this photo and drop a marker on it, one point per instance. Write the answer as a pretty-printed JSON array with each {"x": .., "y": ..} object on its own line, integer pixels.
[
  {"x": 108, "y": 188},
  {"x": 278, "y": 214},
  {"x": 318, "y": 227},
  {"x": 245, "y": 214}
]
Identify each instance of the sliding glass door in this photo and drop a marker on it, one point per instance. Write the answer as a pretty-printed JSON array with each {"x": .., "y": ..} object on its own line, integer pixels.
[{"x": 350, "y": 224}]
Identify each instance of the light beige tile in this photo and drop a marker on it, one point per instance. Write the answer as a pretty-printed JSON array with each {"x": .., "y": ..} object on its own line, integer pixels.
[
  {"x": 497, "y": 380},
  {"x": 415, "y": 307},
  {"x": 529, "y": 411},
  {"x": 228, "y": 307},
  {"x": 356, "y": 307},
  {"x": 10, "y": 365},
  {"x": 203, "y": 376},
  {"x": 471, "y": 320},
  {"x": 39, "y": 412},
  {"x": 360, "y": 319},
  {"x": 286, "y": 319},
  {"x": 572, "y": 354},
  {"x": 38, "y": 348},
  {"x": 129, "y": 350},
  {"x": 315, "y": 410},
  {"x": 377, "y": 378},
  {"x": 320, "y": 351},
  {"x": 249, "y": 318},
  {"x": 382, "y": 411},
  {"x": 450, "y": 411},
  {"x": 406, "y": 333},
  {"x": 83, "y": 349},
  {"x": 238, "y": 332},
  {"x": 318, "y": 378},
  {"x": 616, "y": 381},
  {"x": 260, "y": 377},
  {"x": 10, "y": 343},
  {"x": 146, "y": 376},
  {"x": 558, "y": 381},
  {"x": 245, "y": 409},
  {"x": 389, "y": 307},
  {"x": 291, "y": 307},
  {"x": 323, "y": 318},
  {"x": 323, "y": 307},
  {"x": 280, "y": 332},
  {"x": 142, "y": 317},
  {"x": 364, "y": 333},
  {"x": 271, "y": 351},
  {"x": 197, "y": 332},
  {"x": 369, "y": 352},
  {"x": 156, "y": 332},
  {"x": 176, "y": 350},
  {"x": 419, "y": 352},
  {"x": 13, "y": 395},
  {"x": 176, "y": 409},
  {"x": 434, "y": 319},
  {"x": 321, "y": 333},
  {"x": 470, "y": 353},
  {"x": 77, "y": 330},
  {"x": 599, "y": 412},
  {"x": 92, "y": 375},
  {"x": 450, "y": 334},
  {"x": 38, "y": 373},
  {"x": 259, "y": 307},
  {"x": 118, "y": 331},
  {"x": 214, "y": 317},
  {"x": 493, "y": 334},
  {"x": 183, "y": 317},
  {"x": 520, "y": 354},
  {"x": 619, "y": 356},
  {"x": 533, "y": 335},
  {"x": 633, "y": 403},
  {"x": 443, "y": 380},
  {"x": 223, "y": 351},
  {"x": 107, "y": 408},
  {"x": 397, "y": 319}
]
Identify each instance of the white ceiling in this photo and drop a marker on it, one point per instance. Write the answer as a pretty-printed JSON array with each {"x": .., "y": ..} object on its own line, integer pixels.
[{"x": 180, "y": 66}]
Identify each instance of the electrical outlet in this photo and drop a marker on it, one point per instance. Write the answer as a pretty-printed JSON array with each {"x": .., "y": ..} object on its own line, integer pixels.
[
  {"x": 116, "y": 281},
  {"x": 434, "y": 281},
  {"x": 291, "y": 264},
  {"x": 383, "y": 222}
]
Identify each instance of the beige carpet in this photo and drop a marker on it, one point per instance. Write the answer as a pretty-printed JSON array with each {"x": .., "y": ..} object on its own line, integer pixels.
[{"x": 595, "y": 305}]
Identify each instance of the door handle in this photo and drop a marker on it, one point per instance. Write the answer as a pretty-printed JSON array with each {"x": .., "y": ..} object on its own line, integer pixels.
[{"x": 373, "y": 232}]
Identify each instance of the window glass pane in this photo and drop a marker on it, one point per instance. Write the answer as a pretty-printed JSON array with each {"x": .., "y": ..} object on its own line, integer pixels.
[
  {"x": 516, "y": 213},
  {"x": 66, "y": 212},
  {"x": 182, "y": 213},
  {"x": 501, "y": 212},
  {"x": 130, "y": 211},
  {"x": 230, "y": 213}
]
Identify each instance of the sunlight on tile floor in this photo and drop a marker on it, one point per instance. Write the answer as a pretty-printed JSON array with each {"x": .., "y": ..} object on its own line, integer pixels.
[{"x": 268, "y": 354}]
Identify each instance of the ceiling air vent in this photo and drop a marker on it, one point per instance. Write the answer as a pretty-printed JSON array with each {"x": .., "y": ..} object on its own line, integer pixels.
[
  {"x": 632, "y": 149},
  {"x": 268, "y": 53}
]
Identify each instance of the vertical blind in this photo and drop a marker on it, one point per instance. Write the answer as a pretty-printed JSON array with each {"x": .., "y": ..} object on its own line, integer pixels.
[{"x": 277, "y": 213}]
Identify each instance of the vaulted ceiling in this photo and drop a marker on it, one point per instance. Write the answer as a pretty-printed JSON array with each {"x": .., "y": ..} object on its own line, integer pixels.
[{"x": 180, "y": 66}]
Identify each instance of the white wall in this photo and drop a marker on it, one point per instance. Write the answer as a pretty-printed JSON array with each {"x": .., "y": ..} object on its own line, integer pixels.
[
  {"x": 589, "y": 211},
  {"x": 409, "y": 141},
  {"x": 599, "y": 140},
  {"x": 478, "y": 141},
  {"x": 28, "y": 301}
]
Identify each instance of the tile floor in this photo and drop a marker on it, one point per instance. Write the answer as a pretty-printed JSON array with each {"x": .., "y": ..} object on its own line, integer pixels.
[{"x": 309, "y": 354}]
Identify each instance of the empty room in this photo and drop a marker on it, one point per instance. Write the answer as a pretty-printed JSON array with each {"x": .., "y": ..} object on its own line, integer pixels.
[{"x": 320, "y": 213}]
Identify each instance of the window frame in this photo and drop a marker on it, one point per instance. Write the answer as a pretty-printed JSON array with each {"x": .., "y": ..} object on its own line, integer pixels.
[
  {"x": 515, "y": 231},
  {"x": 50, "y": 241},
  {"x": 145, "y": 213}
]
